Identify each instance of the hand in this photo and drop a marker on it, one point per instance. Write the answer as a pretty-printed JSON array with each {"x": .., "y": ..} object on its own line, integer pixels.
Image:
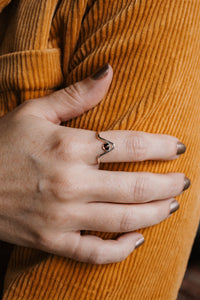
[{"x": 51, "y": 187}]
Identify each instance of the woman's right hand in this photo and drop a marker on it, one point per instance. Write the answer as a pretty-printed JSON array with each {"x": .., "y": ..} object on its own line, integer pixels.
[{"x": 51, "y": 187}]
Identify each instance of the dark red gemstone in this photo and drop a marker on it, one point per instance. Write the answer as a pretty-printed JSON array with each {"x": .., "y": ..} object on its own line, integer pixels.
[{"x": 106, "y": 146}]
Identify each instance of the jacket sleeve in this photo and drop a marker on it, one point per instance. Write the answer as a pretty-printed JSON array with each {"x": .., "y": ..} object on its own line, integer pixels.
[{"x": 3, "y": 3}]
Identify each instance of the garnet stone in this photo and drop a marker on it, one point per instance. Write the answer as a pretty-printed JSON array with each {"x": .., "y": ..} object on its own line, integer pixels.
[{"x": 106, "y": 147}]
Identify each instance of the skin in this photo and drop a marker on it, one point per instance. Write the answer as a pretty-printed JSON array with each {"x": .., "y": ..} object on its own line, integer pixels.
[{"x": 51, "y": 187}]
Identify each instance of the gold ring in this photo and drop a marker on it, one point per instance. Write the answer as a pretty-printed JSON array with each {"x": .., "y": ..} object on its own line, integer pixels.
[{"x": 107, "y": 146}]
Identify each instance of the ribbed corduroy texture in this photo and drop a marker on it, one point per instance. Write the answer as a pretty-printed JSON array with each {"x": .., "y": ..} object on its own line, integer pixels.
[
  {"x": 154, "y": 49},
  {"x": 3, "y": 3}
]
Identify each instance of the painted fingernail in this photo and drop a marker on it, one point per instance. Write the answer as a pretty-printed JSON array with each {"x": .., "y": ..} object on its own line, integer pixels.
[
  {"x": 100, "y": 73},
  {"x": 139, "y": 242},
  {"x": 174, "y": 206},
  {"x": 186, "y": 183},
  {"x": 181, "y": 148}
]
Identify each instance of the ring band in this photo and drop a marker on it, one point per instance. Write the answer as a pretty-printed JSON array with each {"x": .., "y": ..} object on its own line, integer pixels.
[{"x": 107, "y": 146}]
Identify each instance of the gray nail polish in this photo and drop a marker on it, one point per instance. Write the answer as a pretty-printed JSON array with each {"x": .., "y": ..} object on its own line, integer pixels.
[
  {"x": 100, "y": 73},
  {"x": 186, "y": 183},
  {"x": 139, "y": 243},
  {"x": 181, "y": 148},
  {"x": 174, "y": 206}
]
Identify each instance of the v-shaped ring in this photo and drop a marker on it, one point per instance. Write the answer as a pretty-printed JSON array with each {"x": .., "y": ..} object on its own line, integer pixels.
[{"x": 107, "y": 147}]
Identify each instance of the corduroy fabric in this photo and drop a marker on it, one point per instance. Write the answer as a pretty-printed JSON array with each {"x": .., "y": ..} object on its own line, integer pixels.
[
  {"x": 154, "y": 49},
  {"x": 3, "y": 3}
]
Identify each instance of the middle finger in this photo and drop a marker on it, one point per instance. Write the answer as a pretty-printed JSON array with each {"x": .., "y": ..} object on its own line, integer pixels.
[{"x": 134, "y": 187}]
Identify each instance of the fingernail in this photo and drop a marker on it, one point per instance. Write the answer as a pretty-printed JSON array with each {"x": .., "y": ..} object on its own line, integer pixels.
[
  {"x": 174, "y": 206},
  {"x": 181, "y": 148},
  {"x": 100, "y": 73},
  {"x": 139, "y": 242},
  {"x": 186, "y": 183}
]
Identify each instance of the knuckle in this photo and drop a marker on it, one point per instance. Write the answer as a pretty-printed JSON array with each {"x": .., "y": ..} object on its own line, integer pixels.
[
  {"x": 50, "y": 236},
  {"x": 62, "y": 187},
  {"x": 126, "y": 223},
  {"x": 77, "y": 252},
  {"x": 96, "y": 257},
  {"x": 73, "y": 91},
  {"x": 135, "y": 144},
  {"x": 56, "y": 184},
  {"x": 59, "y": 215},
  {"x": 27, "y": 104},
  {"x": 74, "y": 97},
  {"x": 140, "y": 188},
  {"x": 23, "y": 109},
  {"x": 65, "y": 147},
  {"x": 70, "y": 147},
  {"x": 46, "y": 241}
]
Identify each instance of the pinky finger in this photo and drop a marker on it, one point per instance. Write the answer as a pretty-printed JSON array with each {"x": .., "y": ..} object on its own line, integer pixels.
[{"x": 94, "y": 250}]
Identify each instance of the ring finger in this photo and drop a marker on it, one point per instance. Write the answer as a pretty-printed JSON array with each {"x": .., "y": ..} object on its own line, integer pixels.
[{"x": 108, "y": 217}]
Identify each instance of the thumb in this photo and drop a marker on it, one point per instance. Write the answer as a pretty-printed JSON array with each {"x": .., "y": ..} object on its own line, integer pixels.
[{"x": 75, "y": 99}]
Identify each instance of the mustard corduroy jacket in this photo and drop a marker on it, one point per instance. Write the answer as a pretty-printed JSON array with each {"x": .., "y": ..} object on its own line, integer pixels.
[{"x": 154, "y": 49}]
